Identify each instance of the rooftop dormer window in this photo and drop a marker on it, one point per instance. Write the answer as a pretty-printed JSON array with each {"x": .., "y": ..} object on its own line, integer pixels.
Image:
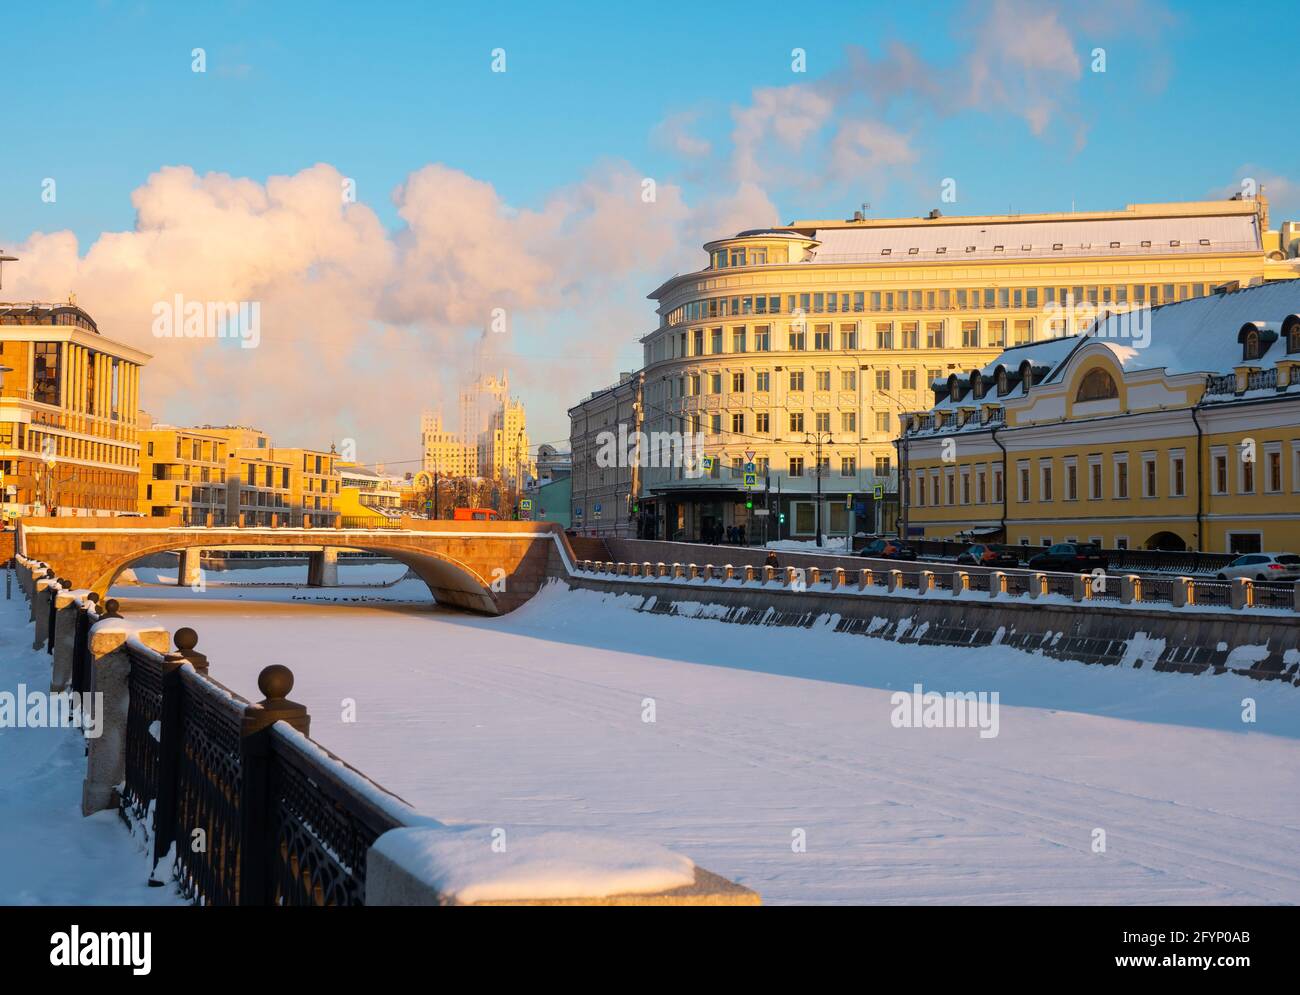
[
  {"x": 1255, "y": 338},
  {"x": 1003, "y": 384},
  {"x": 1291, "y": 329},
  {"x": 1250, "y": 346}
]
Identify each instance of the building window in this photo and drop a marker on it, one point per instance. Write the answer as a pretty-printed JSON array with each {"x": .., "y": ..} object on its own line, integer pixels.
[
  {"x": 1273, "y": 468},
  {"x": 738, "y": 423},
  {"x": 848, "y": 379},
  {"x": 762, "y": 338},
  {"x": 1219, "y": 477},
  {"x": 715, "y": 385},
  {"x": 715, "y": 341},
  {"x": 822, "y": 337},
  {"x": 882, "y": 380},
  {"x": 798, "y": 338},
  {"x": 1045, "y": 480},
  {"x": 848, "y": 466},
  {"x": 934, "y": 335},
  {"x": 796, "y": 465},
  {"x": 1246, "y": 475},
  {"x": 910, "y": 331},
  {"x": 909, "y": 379},
  {"x": 796, "y": 421},
  {"x": 1251, "y": 348},
  {"x": 848, "y": 336},
  {"x": 1293, "y": 338},
  {"x": 823, "y": 378},
  {"x": 1150, "y": 487},
  {"x": 1071, "y": 480},
  {"x": 1022, "y": 469},
  {"x": 1177, "y": 473},
  {"x": 997, "y": 334},
  {"x": 848, "y": 421},
  {"x": 1094, "y": 478},
  {"x": 796, "y": 381},
  {"x": 762, "y": 423},
  {"x": 970, "y": 334},
  {"x": 762, "y": 381},
  {"x": 822, "y": 419},
  {"x": 997, "y": 484},
  {"x": 737, "y": 340},
  {"x": 882, "y": 421},
  {"x": 737, "y": 383},
  {"x": 920, "y": 488},
  {"x": 1097, "y": 385}
]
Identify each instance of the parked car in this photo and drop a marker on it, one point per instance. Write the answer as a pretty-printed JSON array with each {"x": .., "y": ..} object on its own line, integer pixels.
[
  {"x": 1072, "y": 557},
  {"x": 1281, "y": 567},
  {"x": 888, "y": 549},
  {"x": 989, "y": 556}
]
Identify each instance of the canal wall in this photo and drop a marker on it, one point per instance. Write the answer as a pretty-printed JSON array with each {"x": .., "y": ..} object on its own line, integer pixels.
[{"x": 1193, "y": 640}]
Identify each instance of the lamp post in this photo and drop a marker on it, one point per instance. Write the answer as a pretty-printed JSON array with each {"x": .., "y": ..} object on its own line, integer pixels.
[{"x": 817, "y": 438}]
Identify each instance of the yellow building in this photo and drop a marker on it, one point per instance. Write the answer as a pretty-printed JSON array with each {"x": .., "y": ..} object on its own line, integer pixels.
[
  {"x": 183, "y": 473},
  {"x": 69, "y": 414},
  {"x": 802, "y": 344},
  {"x": 1177, "y": 428},
  {"x": 268, "y": 484},
  {"x": 503, "y": 447},
  {"x": 366, "y": 496},
  {"x": 445, "y": 452}
]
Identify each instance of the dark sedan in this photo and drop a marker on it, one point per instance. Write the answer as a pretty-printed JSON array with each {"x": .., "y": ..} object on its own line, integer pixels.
[
  {"x": 989, "y": 556},
  {"x": 888, "y": 549},
  {"x": 1071, "y": 557}
]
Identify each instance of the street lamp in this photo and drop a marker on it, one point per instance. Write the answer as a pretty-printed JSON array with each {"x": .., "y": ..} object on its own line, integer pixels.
[{"x": 817, "y": 438}]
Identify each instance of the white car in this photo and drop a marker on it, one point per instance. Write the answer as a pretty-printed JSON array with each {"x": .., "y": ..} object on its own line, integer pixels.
[{"x": 1281, "y": 567}]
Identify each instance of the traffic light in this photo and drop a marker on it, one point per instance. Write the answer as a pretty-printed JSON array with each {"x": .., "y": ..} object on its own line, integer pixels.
[
  {"x": 749, "y": 505},
  {"x": 781, "y": 518}
]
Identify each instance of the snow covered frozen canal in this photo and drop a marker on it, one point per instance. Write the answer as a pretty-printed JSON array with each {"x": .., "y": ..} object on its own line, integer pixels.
[{"x": 765, "y": 736}]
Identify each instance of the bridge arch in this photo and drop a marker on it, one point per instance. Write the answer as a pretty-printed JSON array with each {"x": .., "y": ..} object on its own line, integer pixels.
[
  {"x": 450, "y": 581},
  {"x": 487, "y": 567}
]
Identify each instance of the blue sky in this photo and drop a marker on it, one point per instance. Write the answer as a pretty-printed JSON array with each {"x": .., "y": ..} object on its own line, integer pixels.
[{"x": 100, "y": 96}]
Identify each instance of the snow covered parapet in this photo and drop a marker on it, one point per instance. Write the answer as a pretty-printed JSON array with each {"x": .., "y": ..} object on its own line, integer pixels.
[{"x": 482, "y": 865}]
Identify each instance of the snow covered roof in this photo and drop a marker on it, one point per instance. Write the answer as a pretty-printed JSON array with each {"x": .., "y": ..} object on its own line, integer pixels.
[
  {"x": 1202, "y": 335},
  {"x": 1046, "y": 239}
]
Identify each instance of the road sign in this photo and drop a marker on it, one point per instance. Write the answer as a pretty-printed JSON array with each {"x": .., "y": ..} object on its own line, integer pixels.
[
  {"x": 525, "y": 504},
  {"x": 749, "y": 456},
  {"x": 428, "y": 506},
  {"x": 751, "y": 480},
  {"x": 879, "y": 491},
  {"x": 577, "y": 511},
  {"x": 707, "y": 463},
  {"x": 848, "y": 500},
  {"x": 750, "y": 468},
  {"x": 595, "y": 511},
  {"x": 761, "y": 511}
]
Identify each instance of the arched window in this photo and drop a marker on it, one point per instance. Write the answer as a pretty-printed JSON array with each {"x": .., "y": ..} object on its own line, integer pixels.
[
  {"x": 1097, "y": 385},
  {"x": 1003, "y": 386},
  {"x": 1293, "y": 335},
  {"x": 1251, "y": 346}
]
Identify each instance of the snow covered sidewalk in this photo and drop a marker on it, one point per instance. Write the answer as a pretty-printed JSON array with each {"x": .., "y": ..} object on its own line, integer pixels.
[{"x": 49, "y": 853}]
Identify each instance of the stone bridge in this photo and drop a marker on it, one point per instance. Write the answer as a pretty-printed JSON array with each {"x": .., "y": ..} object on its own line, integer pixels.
[{"x": 486, "y": 567}]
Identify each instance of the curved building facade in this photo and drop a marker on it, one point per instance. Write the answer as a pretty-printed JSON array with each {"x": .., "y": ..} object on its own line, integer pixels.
[{"x": 797, "y": 348}]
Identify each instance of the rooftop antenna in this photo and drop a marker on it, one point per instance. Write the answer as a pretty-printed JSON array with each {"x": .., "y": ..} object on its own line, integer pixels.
[{"x": 5, "y": 259}]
